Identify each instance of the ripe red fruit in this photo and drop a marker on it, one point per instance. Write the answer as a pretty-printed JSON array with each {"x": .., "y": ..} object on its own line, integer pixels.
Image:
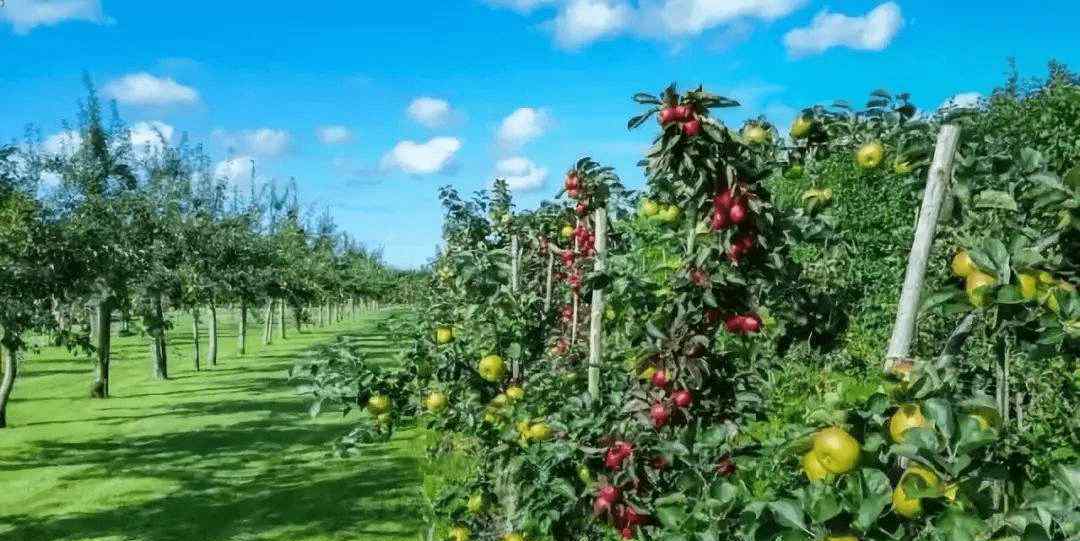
[
  {"x": 567, "y": 313},
  {"x": 616, "y": 454},
  {"x": 683, "y": 113},
  {"x": 682, "y": 398},
  {"x": 737, "y": 213},
  {"x": 658, "y": 462},
  {"x": 582, "y": 207},
  {"x": 751, "y": 323},
  {"x": 602, "y": 506},
  {"x": 668, "y": 115},
  {"x": 712, "y": 315},
  {"x": 660, "y": 378},
  {"x": 628, "y": 517},
  {"x": 719, "y": 222},
  {"x": 561, "y": 347},
  {"x": 627, "y": 533},
  {"x": 726, "y": 466},
  {"x": 573, "y": 193},
  {"x": 691, "y": 128},
  {"x": 733, "y": 324},
  {"x": 659, "y": 415},
  {"x": 572, "y": 182},
  {"x": 575, "y": 281},
  {"x": 699, "y": 277},
  {"x": 568, "y": 258},
  {"x": 610, "y": 493},
  {"x": 723, "y": 199}
]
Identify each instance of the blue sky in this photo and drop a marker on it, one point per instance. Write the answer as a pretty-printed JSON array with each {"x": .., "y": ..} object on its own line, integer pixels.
[{"x": 374, "y": 105}]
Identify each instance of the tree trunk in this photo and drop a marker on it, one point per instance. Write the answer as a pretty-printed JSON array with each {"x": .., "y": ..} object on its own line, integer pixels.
[
  {"x": 298, "y": 314},
  {"x": 268, "y": 322},
  {"x": 211, "y": 349},
  {"x": 281, "y": 319},
  {"x": 195, "y": 336},
  {"x": 7, "y": 384},
  {"x": 937, "y": 186},
  {"x": 158, "y": 350},
  {"x": 103, "y": 342},
  {"x": 241, "y": 338}
]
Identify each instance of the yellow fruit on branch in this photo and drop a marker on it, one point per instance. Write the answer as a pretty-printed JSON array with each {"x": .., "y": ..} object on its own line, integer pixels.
[
  {"x": 567, "y": 231},
  {"x": 649, "y": 208},
  {"x": 756, "y": 134},
  {"x": 540, "y": 432},
  {"x": 378, "y": 404},
  {"x": 812, "y": 467},
  {"x": 1029, "y": 285},
  {"x": 901, "y": 167},
  {"x": 907, "y": 417},
  {"x": 513, "y": 537},
  {"x": 476, "y": 504},
  {"x": 801, "y": 127},
  {"x": 976, "y": 285},
  {"x": 836, "y": 450},
  {"x": 492, "y": 368},
  {"x": 870, "y": 155},
  {"x": 435, "y": 402},
  {"x": 905, "y": 505},
  {"x": 962, "y": 265},
  {"x": 841, "y": 537},
  {"x": 444, "y": 335},
  {"x": 515, "y": 393},
  {"x": 460, "y": 533}
]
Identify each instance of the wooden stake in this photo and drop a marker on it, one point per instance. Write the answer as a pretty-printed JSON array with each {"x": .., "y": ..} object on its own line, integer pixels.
[
  {"x": 937, "y": 186},
  {"x": 596, "y": 323}
]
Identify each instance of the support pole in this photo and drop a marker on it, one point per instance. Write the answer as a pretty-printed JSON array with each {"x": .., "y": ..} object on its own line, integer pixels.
[
  {"x": 596, "y": 323},
  {"x": 937, "y": 185}
]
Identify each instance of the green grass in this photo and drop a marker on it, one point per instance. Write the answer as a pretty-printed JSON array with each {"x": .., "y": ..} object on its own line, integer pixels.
[{"x": 228, "y": 453}]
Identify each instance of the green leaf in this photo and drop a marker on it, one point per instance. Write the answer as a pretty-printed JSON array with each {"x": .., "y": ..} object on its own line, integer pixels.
[
  {"x": 877, "y": 493},
  {"x": 994, "y": 199},
  {"x": 788, "y": 513},
  {"x": 956, "y": 525}
]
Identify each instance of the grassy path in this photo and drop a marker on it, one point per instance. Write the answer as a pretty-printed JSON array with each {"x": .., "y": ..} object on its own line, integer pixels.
[{"x": 224, "y": 454}]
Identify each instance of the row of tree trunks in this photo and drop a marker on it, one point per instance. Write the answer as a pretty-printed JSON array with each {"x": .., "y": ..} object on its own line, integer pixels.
[
  {"x": 281, "y": 319},
  {"x": 268, "y": 323},
  {"x": 212, "y": 346},
  {"x": 158, "y": 347},
  {"x": 103, "y": 342},
  {"x": 241, "y": 337}
]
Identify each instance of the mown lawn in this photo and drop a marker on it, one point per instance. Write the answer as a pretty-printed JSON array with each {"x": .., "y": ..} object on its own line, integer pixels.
[{"x": 228, "y": 453}]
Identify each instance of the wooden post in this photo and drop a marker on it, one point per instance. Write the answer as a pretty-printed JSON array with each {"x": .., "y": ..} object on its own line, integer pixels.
[
  {"x": 515, "y": 261},
  {"x": 937, "y": 185},
  {"x": 550, "y": 280},
  {"x": 596, "y": 323}
]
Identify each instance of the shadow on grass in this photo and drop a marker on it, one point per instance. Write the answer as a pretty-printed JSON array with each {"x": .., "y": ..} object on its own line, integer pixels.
[{"x": 217, "y": 494}]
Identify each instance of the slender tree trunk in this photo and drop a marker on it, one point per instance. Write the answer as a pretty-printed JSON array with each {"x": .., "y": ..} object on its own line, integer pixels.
[
  {"x": 281, "y": 319},
  {"x": 103, "y": 341},
  {"x": 158, "y": 349},
  {"x": 7, "y": 384},
  {"x": 241, "y": 338},
  {"x": 211, "y": 349},
  {"x": 195, "y": 336},
  {"x": 298, "y": 314},
  {"x": 268, "y": 322}
]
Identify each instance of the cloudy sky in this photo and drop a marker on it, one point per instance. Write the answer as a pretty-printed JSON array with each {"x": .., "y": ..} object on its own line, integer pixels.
[{"x": 372, "y": 106}]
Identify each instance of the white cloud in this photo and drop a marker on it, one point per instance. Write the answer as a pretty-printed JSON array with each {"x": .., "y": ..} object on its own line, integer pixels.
[
  {"x": 674, "y": 18},
  {"x": 871, "y": 32},
  {"x": 260, "y": 142},
  {"x": 522, "y": 126},
  {"x": 521, "y": 5},
  {"x": 64, "y": 143},
  {"x": 521, "y": 174},
  {"x": 147, "y": 90},
  {"x": 580, "y": 22},
  {"x": 333, "y": 135},
  {"x": 236, "y": 170},
  {"x": 422, "y": 158},
  {"x": 148, "y": 136},
  {"x": 962, "y": 100},
  {"x": 430, "y": 112},
  {"x": 584, "y": 21},
  {"x": 25, "y": 15}
]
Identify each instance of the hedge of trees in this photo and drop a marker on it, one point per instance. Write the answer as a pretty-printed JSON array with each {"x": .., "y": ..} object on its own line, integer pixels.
[
  {"x": 707, "y": 358},
  {"x": 108, "y": 228}
]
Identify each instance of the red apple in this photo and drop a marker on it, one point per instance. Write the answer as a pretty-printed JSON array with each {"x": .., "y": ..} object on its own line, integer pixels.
[
  {"x": 683, "y": 113},
  {"x": 668, "y": 115},
  {"x": 682, "y": 398},
  {"x": 660, "y": 379},
  {"x": 737, "y": 213},
  {"x": 691, "y": 128},
  {"x": 659, "y": 415}
]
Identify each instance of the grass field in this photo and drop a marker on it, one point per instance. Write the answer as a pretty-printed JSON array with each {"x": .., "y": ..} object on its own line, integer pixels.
[{"x": 228, "y": 453}]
